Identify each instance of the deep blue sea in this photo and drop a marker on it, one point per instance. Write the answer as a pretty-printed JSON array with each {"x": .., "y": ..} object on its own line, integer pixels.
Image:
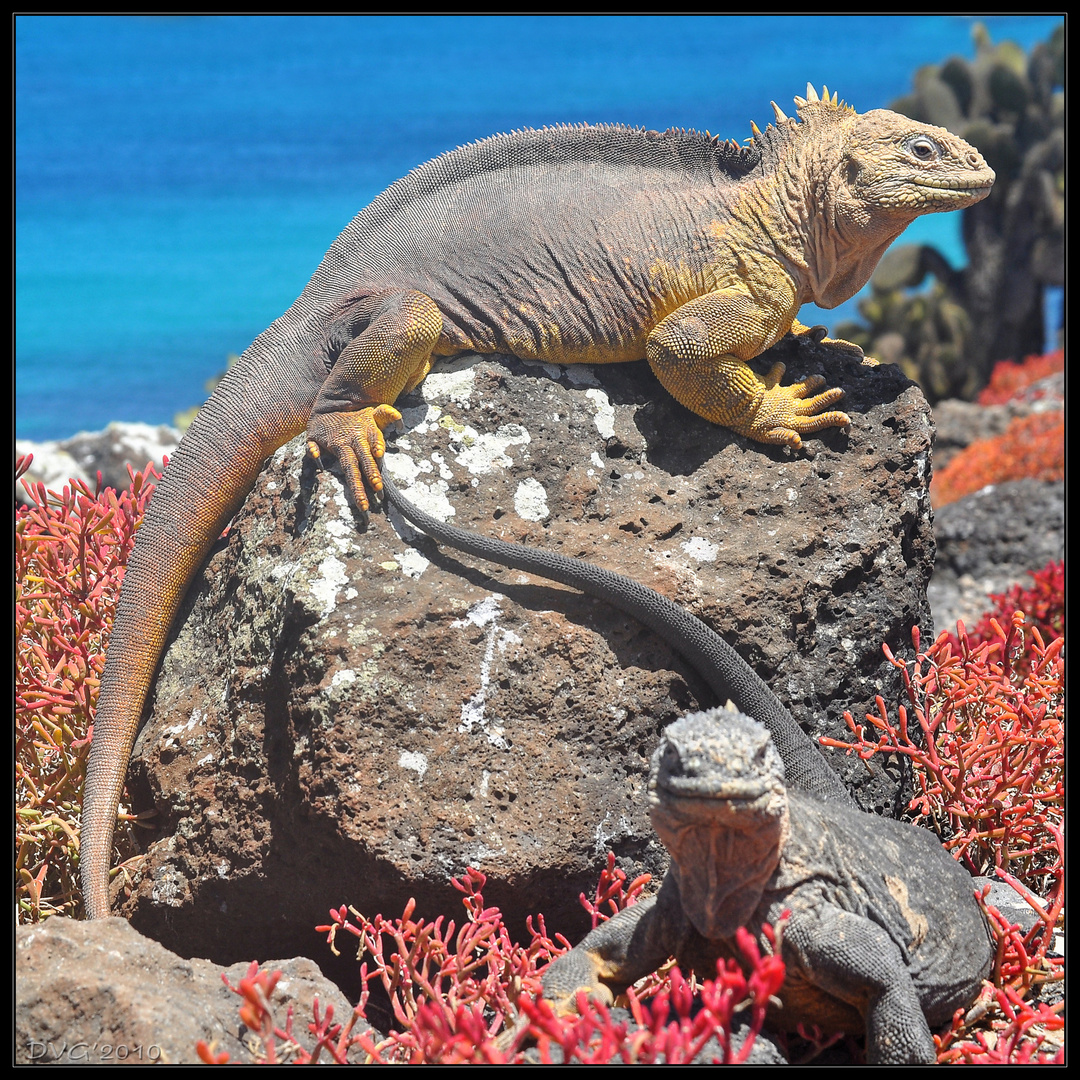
[{"x": 179, "y": 179}]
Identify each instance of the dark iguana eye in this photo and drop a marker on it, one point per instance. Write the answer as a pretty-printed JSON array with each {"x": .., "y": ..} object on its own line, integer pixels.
[{"x": 923, "y": 148}]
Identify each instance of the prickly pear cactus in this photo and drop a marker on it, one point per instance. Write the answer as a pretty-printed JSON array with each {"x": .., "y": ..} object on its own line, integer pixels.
[{"x": 948, "y": 337}]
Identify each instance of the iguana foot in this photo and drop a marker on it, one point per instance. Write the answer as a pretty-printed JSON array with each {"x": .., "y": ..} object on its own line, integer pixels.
[
  {"x": 819, "y": 334},
  {"x": 356, "y": 440},
  {"x": 785, "y": 413}
]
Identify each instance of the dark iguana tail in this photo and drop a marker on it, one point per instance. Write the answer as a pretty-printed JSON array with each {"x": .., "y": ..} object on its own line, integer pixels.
[
  {"x": 261, "y": 403},
  {"x": 710, "y": 655}
]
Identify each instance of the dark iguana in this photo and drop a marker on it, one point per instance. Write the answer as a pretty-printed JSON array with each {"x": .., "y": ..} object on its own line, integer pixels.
[
  {"x": 591, "y": 244},
  {"x": 885, "y": 936}
]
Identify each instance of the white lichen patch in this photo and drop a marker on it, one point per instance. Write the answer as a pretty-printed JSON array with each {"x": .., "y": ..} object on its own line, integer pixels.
[
  {"x": 701, "y": 549},
  {"x": 417, "y": 419},
  {"x": 485, "y": 613},
  {"x": 605, "y": 413},
  {"x": 342, "y": 529},
  {"x": 364, "y": 633},
  {"x": 530, "y": 500},
  {"x": 417, "y": 763},
  {"x": 481, "y": 454},
  {"x": 343, "y": 678},
  {"x": 330, "y": 487},
  {"x": 402, "y": 469},
  {"x": 198, "y": 716},
  {"x": 451, "y": 380},
  {"x": 169, "y": 886},
  {"x": 411, "y": 563},
  {"x": 296, "y": 448},
  {"x": 282, "y": 571},
  {"x": 430, "y": 498},
  {"x": 606, "y": 833},
  {"x": 440, "y": 463},
  {"x": 455, "y": 386},
  {"x": 332, "y": 576}
]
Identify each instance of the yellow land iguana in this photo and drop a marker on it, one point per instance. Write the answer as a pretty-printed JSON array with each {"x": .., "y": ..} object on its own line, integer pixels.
[{"x": 586, "y": 244}]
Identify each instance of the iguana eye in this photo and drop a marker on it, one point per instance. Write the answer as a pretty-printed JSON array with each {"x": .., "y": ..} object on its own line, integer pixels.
[{"x": 923, "y": 148}]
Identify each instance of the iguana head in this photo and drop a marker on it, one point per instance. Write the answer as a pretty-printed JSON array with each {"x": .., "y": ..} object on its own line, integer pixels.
[
  {"x": 718, "y": 803},
  {"x": 895, "y": 165},
  {"x": 852, "y": 183}
]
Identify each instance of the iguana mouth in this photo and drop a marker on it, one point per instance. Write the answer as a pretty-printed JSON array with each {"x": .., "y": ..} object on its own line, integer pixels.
[
  {"x": 953, "y": 185},
  {"x": 714, "y": 810},
  {"x": 740, "y": 796}
]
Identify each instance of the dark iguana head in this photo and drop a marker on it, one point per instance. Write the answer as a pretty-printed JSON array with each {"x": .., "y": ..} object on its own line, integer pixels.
[
  {"x": 851, "y": 183},
  {"x": 718, "y": 803}
]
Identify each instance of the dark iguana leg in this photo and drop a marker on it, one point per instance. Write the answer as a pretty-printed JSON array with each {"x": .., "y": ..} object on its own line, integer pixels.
[
  {"x": 699, "y": 353},
  {"x": 609, "y": 959},
  {"x": 390, "y": 356},
  {"x": 855, "y": 960}
]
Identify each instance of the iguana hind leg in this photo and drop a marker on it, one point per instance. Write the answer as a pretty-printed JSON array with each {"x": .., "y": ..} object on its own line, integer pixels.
[
  {"x": 699, "y": 353},
  {"x": 387, "y": 358}
]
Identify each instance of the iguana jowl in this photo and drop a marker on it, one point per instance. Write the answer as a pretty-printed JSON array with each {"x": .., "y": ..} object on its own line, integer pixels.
[{"x": 587, "y": 244}]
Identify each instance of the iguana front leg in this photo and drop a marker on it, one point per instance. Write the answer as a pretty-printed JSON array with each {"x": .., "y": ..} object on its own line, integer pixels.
[
  {"x": 390, "y": 355},
  {"x": 854, "y": 960},
  {"x": 699, "y": 353},
  {"x": 610, "y": 958}
]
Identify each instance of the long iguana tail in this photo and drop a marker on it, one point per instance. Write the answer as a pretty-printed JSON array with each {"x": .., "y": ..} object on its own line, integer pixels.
[
  {"x": 261, "y": 403},
  {"x": 710, "y": 655}
]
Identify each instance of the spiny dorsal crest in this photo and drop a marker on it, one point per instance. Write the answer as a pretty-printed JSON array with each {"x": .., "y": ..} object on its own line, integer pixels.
[
  {"x": 811, "y": 107},
  {"x": 821, "y": 106}
]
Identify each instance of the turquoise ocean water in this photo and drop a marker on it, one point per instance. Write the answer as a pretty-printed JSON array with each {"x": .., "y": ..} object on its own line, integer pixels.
[{"x": 179, "y": 179}]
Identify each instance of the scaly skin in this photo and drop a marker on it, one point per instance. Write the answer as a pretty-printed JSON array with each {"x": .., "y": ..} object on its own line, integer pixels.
[{"x": 570, "y": 245}]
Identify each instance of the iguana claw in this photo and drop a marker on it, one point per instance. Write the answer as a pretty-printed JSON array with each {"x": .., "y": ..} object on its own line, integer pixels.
[
  {"x": 356, "y": 440},
  {"x": 786, "y": 413},
  {"x": 820, "y": 336}
]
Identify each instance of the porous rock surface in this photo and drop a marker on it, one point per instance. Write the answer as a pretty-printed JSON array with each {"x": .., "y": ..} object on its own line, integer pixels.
[
  {"x": 991, "y": 540},
  {"x": 348, "y": 714},
  {"x": 102, "y": 994}
]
